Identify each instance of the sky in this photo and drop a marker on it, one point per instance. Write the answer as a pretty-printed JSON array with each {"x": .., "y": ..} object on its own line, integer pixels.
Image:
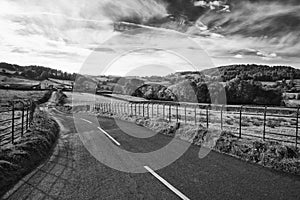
[{"x": 78, "y": 36}]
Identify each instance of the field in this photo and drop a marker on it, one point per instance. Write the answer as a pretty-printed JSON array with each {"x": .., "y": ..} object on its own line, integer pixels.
[
  {"x": 7, "y": 95},
  {"x": 13, "y": 80},
  {"x": 77, "y": 98}
]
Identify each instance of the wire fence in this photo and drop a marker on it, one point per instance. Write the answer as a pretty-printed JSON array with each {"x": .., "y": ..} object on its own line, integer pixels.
[
  {"x": 266, "y": 123},
  {"x": 15, "y": 120}
]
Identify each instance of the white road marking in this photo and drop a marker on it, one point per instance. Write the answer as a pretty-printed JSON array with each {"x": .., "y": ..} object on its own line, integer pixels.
[
  {"x": 86, "y": 120},
  {"x": 173, "y": 189},
  {"x": 113, "y": 139}
]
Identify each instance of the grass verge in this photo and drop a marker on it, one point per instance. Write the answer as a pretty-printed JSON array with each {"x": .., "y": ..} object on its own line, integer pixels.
[{"x": 27, "y": 153}]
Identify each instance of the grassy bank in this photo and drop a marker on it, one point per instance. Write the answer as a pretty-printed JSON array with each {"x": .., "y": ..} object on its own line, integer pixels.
[
  {"x": 21, "y": 158},
  {"x": 266, "y": 153}
]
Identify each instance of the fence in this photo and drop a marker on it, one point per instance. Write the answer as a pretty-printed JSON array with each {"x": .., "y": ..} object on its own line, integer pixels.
[
  {"x": 15, "y": 120},
  {"x": 267, "y": 123}
]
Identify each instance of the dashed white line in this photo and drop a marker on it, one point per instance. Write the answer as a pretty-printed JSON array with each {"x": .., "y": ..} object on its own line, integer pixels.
[
  {"x": 113, "y": 139},
  {"x": 166, "y": 183},
  {"x": 86, "y": 120}
]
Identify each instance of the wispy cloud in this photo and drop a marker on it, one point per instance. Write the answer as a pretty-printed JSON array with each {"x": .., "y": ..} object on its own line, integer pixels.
[
  {"x": 65, "y": 32},
  {"x": 267, "y": 31}
]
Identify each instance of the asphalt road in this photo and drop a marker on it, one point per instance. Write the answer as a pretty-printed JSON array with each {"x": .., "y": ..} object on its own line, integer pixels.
[{"x": 73, "y": 173}]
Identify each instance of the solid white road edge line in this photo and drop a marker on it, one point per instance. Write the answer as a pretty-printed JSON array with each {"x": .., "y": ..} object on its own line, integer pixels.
[
  {"x": 113, "y": 139},
  {"x": 86, "y": 121},
  {"x": 173, "y": 189}
]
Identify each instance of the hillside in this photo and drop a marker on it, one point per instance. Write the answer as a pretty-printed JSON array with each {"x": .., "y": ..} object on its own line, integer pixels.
[
  {"x": 33, "y": 72},
  {"x": 244, "y": 84},
  {"x": 255, "y": 72}
]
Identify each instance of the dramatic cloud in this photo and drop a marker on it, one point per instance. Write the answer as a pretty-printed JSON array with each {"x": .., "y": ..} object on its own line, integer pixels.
[
  {"x": 63, "y": 33},
  {"x": 266, "y": 29}
]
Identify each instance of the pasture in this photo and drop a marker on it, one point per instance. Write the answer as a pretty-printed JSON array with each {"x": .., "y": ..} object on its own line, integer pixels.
[{"x": 7, "y": 95}]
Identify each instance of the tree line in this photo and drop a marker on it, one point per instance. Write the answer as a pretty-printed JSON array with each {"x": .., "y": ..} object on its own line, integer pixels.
[
  {"x": 255, "y": 72},
  {"x": 36, "y": 72}
]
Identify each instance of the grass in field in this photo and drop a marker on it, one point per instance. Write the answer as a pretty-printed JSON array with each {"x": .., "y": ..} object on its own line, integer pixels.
[
  {"x": 76, "y": 98},
  {"x": 7, "y": 95},
  {"x": 13, "y": 80}
]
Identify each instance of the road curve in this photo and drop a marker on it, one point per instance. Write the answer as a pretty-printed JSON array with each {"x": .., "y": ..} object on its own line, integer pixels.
[{"x": 73, "y": 173}]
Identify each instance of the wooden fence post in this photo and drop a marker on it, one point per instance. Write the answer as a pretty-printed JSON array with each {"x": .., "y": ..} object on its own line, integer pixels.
[
  {"x": 170, "y": 113},
  {"x": 240, "y": 130},
  {"x": 222, "y": 108},
  {"x": 27, "y": 117},
  {"x": 163, "y": 111},
  {"x": 177, "y": 117},
  {"x": 152, "y": 109},
  {"x": 297, "y": 127},
  {"x": 207, "y": 116},
  {"x": 195, "y": 115},
  {"x": 13, "y": 123},
  {"x": 265, "y": 123},
  {"x": 22, "y": 126},
  {"x": 185, "y": 114},
  {"x": 143, "y": 110}
]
